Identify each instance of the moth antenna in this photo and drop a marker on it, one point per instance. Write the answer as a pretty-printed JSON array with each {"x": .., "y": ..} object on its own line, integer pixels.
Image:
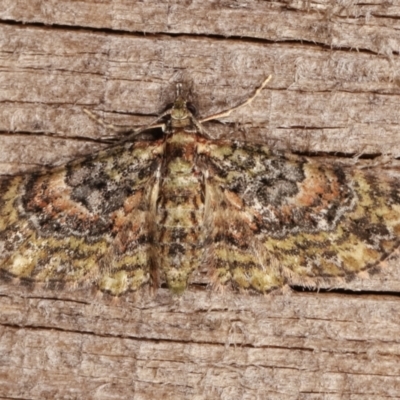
[
  {"x": 248, "y": 101},
  {"x": 178, "y": 89}
]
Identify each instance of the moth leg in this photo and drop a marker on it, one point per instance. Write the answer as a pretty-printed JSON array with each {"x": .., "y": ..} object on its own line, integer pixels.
[
  {"x": 101, "y": 121},
  {"x": 131, "y": 133},
  {"x": 245, "y": 103},
  {"x": 201, "y": 129}
]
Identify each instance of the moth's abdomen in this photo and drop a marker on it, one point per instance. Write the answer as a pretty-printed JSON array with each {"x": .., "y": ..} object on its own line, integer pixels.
[{"x": 180, "y": 213}]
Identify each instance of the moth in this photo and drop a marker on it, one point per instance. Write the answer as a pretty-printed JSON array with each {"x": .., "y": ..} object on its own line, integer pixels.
[{"x": 157, "y": 212}]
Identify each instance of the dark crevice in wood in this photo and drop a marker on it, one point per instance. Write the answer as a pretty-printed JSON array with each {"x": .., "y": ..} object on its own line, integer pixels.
[
  {"x": 56, "y": 136},
  {"x": 335, "y": 155},
  {"x": 379, "y": 16},
  {"x": 216, "y": 37},
  {"x": 70, "y": 28},
  {"x": 346, "y": 292},
  {"x": 347, "y": 393},
  {"x": 150, "y": 340},
  {"x": 64, "y": 300}
]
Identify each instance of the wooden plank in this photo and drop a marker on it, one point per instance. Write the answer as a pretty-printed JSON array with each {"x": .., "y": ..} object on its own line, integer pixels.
[
  {"x": 205, "y": 345},
  {"x": 122, "y": 59},
  {"x": 298, "y": 110},
  {"x": 370, "y": 25}
]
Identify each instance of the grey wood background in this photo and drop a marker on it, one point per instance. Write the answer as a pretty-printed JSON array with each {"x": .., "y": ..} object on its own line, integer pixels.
[{"x": 335, "y": 92}]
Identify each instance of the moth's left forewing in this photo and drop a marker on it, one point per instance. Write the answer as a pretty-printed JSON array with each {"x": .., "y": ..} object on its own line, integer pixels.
[
  {"x": 279, "y": 218},
  {"x": 82, "y": 223}
]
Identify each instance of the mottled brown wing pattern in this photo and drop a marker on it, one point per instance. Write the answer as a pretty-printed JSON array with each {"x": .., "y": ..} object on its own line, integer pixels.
[
  {"x": 279, "y": 218},
  {"x": 143, "y": 212},
  {"x": 86, "y": 222}
]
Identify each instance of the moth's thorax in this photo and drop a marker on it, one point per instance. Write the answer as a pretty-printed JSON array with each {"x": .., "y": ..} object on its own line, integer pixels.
[{"x": 180, "y": 115}]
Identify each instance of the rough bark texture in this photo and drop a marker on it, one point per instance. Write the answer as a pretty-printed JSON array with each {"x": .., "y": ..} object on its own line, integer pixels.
[{"x": 335, "y": 90}]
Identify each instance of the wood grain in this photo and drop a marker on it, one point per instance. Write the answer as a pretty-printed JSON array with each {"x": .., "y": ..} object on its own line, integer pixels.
[{"x": 335, "y": 92}]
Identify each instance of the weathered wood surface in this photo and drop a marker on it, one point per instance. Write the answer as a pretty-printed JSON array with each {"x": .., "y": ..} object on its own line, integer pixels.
[{"x": 335, "y": 89}]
